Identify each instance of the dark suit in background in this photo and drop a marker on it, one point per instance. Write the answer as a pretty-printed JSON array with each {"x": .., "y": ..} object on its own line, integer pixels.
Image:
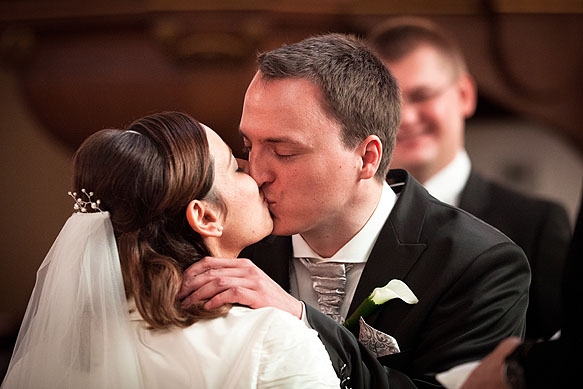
[
  {"x": 471, "y": 282},
  {"x": 556, "y": 363},
  {"x": 547, "y": 363},
  {"x": 541, "y": 228}
]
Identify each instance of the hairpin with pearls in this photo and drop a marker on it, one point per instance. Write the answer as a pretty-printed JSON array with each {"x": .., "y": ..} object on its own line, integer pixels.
[{"x": 82, "y": 206}]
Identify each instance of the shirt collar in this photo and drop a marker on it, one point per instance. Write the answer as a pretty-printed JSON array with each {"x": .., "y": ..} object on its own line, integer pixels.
[
  {"x": 448, "y": 183},
  {"x": 359, "y": 247}
]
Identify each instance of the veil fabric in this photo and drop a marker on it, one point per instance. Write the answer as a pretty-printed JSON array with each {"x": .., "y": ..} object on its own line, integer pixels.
[{"x": 76, "y": 331}]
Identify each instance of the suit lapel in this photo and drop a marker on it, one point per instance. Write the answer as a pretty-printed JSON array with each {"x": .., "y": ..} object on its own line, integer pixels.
[{"x": 397, "y": 248}]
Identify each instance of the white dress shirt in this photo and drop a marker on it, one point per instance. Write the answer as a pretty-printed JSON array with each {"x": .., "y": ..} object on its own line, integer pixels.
[
  {"x": 448, "y": 183},
  {"x": 356, "y": 251}
]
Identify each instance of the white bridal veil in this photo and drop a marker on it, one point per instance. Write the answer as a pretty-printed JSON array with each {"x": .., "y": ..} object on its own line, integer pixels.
[{"x": 75, "y": 332}]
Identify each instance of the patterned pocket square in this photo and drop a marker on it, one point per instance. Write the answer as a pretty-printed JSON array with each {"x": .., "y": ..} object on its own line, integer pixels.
[{"x": 376, "y": 341}]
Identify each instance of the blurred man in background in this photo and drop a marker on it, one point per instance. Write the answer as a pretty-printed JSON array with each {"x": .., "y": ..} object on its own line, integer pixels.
[{"x": 439, "y": 94}]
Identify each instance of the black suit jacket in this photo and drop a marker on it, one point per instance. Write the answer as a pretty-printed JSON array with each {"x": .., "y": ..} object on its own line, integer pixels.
[
  {"x": 542, "y": 229},
  {"x": 556, "y": 363},
  {"x": 470, "y": 279}
]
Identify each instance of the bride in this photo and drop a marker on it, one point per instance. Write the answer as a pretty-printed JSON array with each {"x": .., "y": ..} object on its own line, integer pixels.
[{"x": 149, "y": 201}]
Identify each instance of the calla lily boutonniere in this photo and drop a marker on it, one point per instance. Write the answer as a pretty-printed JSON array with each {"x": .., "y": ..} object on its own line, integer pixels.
[{"x": 379, "y": 296}]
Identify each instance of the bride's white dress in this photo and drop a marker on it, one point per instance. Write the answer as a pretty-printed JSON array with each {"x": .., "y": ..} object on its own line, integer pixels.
[
  {"x": 261, "y": 348},
  {"x": 76, "y": 332}
]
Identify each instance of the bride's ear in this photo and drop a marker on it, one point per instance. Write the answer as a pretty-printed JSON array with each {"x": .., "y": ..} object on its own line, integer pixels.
[{"x": 203, "y": 218}]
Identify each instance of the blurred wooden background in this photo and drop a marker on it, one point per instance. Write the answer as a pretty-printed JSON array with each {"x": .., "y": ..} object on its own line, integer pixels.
[{"x": 84, "y": 66}]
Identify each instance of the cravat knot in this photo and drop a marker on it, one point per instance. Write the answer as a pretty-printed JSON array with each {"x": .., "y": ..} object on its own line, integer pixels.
[{"x": 329, "y": 283}]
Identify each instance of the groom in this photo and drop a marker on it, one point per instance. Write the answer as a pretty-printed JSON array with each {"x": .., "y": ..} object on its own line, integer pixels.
[{"x": 319, "y": 121}]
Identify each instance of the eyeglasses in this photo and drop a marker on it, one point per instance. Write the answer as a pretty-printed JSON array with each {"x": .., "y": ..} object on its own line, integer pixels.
[{"x": 424, "y": 95}]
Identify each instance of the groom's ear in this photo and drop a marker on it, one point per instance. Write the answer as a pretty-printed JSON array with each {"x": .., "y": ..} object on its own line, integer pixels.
[
  {"x": 203, "y": 218},
  {"x": 370, "y": 151}
]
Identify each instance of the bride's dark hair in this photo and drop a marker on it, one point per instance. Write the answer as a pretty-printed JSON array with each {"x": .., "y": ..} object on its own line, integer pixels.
[{"x": 145, "y": 176}]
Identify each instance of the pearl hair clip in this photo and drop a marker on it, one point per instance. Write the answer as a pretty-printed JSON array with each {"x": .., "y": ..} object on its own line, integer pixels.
[{"x": 81, "y": 205}]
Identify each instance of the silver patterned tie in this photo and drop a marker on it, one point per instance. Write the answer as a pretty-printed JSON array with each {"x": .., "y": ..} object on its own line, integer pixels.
[{"x": 329, "y": 282}]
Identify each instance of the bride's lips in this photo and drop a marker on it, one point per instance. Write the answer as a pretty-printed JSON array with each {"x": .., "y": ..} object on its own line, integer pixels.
[{"x": 265, "y": 199}]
